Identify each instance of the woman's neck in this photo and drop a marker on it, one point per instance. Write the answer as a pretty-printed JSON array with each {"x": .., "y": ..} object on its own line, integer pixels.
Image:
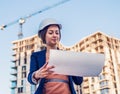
[{"x": 49, "y": 47}]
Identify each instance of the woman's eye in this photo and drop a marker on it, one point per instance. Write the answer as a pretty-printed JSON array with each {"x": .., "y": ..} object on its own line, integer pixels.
[
  {"x": 57, "y": 33},
  {"x": 50, "y": 32}
]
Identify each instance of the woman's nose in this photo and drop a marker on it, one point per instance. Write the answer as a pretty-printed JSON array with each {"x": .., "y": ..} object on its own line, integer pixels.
[{"x": 54, "y": 34}]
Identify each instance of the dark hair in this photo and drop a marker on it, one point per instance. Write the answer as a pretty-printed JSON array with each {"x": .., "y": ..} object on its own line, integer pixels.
[{"x": 42, "y": 32}]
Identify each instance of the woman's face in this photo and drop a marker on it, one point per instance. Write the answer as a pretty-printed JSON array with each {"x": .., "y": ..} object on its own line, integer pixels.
[{"x": 52, "y": 35}]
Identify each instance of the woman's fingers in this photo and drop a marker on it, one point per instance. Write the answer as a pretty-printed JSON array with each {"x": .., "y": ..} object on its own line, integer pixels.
[
  {"x": 45, "y": 65},
  {"x": 45, "y": 74},
  {"x": 45, "y": 70},
  {"x": 51, "y": 67}
]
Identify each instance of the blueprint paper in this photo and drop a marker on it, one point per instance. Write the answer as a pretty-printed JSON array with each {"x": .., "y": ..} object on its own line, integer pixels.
[{"x": 76, "y": 63}]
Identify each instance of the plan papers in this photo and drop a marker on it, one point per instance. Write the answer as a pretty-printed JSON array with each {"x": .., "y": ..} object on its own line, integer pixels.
[{"x": 76, "y": 63}]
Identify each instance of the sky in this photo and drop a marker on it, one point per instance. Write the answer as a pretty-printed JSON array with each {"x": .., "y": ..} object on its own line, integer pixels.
[{"x": 79, "y": 18}]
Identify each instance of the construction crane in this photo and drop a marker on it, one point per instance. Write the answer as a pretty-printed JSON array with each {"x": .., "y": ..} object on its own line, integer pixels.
[{"x": 22, "y": 20}]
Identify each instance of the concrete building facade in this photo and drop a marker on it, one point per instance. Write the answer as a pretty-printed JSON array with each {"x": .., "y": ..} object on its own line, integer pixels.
[{"x": 108, "y": 82}]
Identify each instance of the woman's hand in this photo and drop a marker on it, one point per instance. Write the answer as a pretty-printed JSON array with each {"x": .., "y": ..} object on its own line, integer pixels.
[{"x": 43, "y": 71}]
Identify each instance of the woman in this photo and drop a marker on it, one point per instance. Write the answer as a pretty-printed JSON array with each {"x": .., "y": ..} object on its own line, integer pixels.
[{"x": 40, "y": 72}]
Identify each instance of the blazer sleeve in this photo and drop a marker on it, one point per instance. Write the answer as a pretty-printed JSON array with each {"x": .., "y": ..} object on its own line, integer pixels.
[
  {"x": 33, "y": 68},
  {"x": 77, "y": 80}
]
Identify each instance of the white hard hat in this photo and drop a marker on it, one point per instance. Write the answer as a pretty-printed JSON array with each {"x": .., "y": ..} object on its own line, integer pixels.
[{"x": 47, "y": 22}]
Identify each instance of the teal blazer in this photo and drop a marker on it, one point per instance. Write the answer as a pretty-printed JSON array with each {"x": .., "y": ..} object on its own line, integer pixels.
[{"x": 37, "y": 60}]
